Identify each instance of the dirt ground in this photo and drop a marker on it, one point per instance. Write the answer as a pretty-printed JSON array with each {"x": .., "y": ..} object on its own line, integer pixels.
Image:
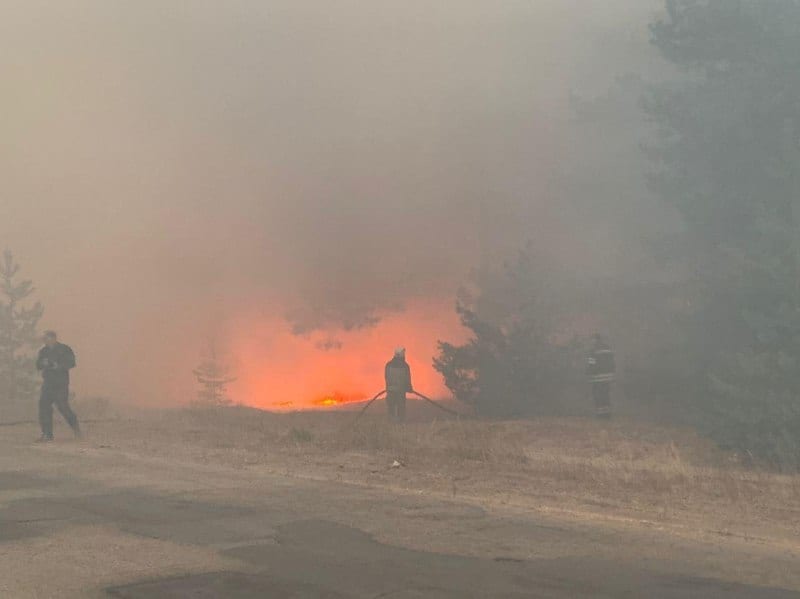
[
  {"x": 613, "y": 490},
  {"x": 621, "y": 471}
]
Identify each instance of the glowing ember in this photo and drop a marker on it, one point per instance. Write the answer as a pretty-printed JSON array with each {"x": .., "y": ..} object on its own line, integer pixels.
[{"x": 337, "y": 399}]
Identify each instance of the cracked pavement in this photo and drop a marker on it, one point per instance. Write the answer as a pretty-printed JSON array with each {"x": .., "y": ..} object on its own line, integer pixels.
[{"x": 84, "y": 521}]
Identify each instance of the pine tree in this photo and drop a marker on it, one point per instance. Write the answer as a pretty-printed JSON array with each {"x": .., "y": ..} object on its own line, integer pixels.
[
  {"x": 18, "y": 336},
  {"x": 727, "y": 157},
  {"x": 213, "y": 377},
  {"x": 514, "y": 363}
]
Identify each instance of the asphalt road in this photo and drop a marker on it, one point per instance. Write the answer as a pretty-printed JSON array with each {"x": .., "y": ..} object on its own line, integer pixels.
[{"x": 82, "y": 521}]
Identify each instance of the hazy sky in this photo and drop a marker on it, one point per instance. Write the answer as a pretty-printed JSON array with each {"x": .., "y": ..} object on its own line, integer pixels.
[{"x": 167, "y": 168}]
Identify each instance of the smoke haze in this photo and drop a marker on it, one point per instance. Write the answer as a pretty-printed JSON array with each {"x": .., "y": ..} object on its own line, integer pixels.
[{"x": 287, "y": 176}]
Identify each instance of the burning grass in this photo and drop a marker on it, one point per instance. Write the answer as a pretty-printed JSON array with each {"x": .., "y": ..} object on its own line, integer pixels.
[{"x": 619, "y": 467}]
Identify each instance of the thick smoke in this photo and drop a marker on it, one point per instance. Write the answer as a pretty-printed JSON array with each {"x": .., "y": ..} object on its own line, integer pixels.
[{"x": 171, "y": 168}]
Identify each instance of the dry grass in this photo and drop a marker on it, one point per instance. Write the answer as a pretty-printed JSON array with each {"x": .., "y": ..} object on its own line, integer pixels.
[{"x": 620, "y": 466}]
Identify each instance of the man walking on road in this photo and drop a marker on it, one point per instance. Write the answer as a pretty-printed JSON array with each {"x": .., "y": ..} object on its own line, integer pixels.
[
  {"x": 398, "y": 383},
  {"x": 54, "y": 362}
]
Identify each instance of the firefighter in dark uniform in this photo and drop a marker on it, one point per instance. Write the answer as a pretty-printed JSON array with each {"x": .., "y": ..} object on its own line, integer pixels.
[
  {"x": 54, "y": 362},
  {"x": 398, "y": 382},
  {"x": 601, "y": 369}
]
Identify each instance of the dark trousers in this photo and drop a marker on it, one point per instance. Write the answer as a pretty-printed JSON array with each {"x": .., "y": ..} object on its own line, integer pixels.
[
  {"x": 55, "y": 393},
  {"x": 601, "y": 393},
  {"x": 396, "y": 402}
]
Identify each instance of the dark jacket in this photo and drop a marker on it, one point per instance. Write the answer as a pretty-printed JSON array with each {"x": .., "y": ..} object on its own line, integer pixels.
[
  {"x": 398, "y": 376},
  {"x": 601, "y": 365},
  {"x": 55, "y": 363}
]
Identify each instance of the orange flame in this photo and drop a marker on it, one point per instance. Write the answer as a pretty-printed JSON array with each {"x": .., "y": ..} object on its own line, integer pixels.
[
  {"x": 336, "y": 399},
  {"x": 278, "y": 370}
]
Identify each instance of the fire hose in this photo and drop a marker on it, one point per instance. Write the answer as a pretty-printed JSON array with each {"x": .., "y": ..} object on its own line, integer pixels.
[
  {"x": 418, "y": 394},
  {"x": 368, "y": 404},
  {"x": 436, "y": 403}
]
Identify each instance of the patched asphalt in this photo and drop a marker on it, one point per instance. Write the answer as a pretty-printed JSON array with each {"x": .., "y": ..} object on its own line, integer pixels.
[{"x": 285, "y": 555}]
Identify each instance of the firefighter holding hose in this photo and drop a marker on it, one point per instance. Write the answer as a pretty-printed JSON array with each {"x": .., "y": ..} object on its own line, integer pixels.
[{"x": 398, "y": 383}]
